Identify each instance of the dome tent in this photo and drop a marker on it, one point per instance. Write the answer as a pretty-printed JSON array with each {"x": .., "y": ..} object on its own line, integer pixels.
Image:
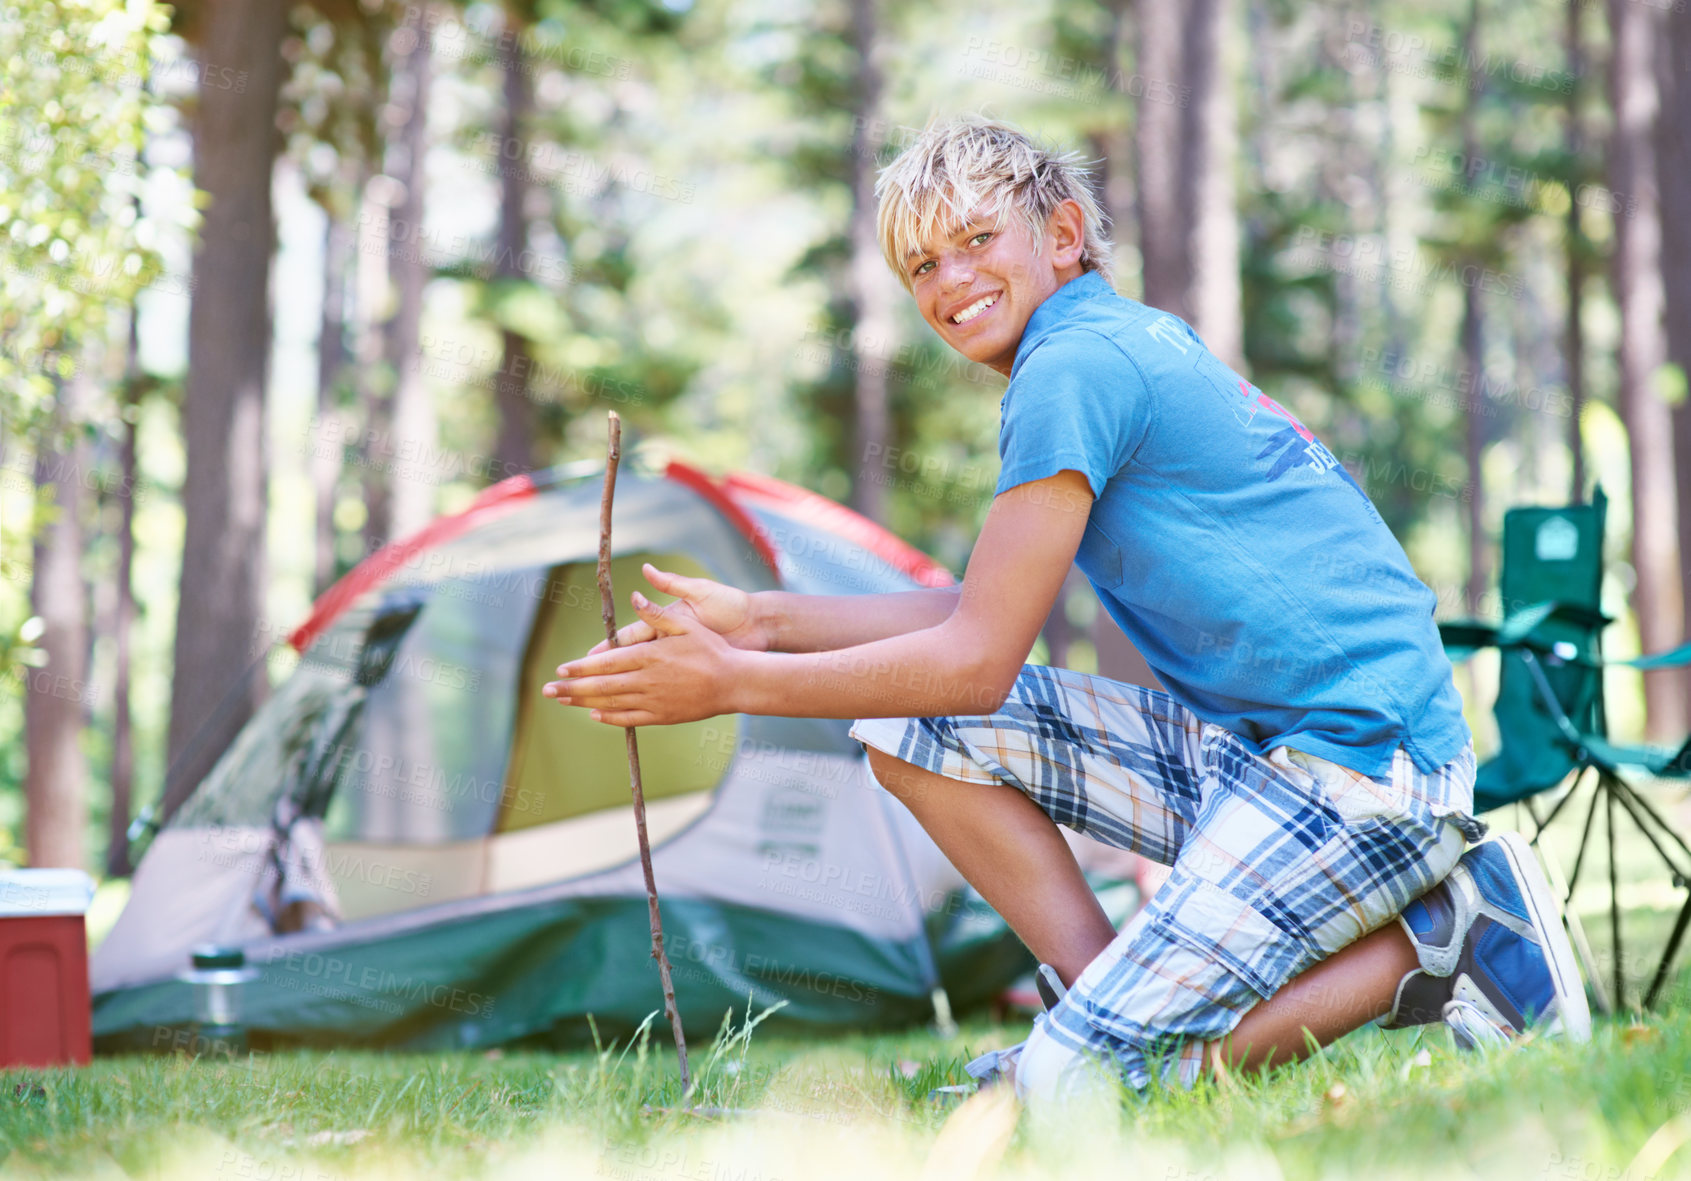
[{"x": 417, "y": 849}]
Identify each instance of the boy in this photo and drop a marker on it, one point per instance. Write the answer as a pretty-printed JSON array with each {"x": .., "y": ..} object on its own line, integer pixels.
[{"x": 1308, "y": 775}]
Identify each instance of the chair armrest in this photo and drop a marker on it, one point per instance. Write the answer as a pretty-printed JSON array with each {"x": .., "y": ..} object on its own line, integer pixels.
[
  {"x": 1672, "y": 658},
  {"x": 1464, "y": 637},
  {"x": 1657, "y": 760},
  {"x": 1520, "y": 628}
]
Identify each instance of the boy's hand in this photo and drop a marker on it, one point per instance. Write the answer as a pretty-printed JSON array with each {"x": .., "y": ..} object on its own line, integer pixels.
[
  {"x": 681, "y": 676},
  {"x": 725, "y": 610}
]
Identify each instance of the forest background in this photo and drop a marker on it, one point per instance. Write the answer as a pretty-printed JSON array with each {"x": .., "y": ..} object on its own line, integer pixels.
[{"x": 279, "y": 284}]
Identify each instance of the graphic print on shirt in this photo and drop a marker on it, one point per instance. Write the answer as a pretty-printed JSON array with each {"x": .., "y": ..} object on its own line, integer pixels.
[{"x": 1291, "y": 445}]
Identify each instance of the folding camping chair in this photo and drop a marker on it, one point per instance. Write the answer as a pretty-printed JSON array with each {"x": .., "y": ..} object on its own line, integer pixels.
[{"x": 1550, "y": 714}]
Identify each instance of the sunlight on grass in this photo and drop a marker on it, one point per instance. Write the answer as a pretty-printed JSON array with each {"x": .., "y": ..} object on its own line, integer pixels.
[{"x": 1379, "y": 1104}]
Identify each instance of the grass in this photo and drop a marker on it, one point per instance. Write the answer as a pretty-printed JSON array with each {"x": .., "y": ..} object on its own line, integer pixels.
[{"x": 1377, "y": 1105}]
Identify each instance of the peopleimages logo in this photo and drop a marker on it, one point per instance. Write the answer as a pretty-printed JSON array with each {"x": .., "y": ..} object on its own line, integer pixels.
[
  {"x": 696, "y": 957},
  {"x": 338, "y": 653},
  {"x": 414, "y": 781},
  {"x": 330, "y": 970}
]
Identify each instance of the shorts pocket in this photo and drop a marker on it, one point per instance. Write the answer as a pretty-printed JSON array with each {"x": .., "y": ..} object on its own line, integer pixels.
[{"x": 1218, "y": 927}]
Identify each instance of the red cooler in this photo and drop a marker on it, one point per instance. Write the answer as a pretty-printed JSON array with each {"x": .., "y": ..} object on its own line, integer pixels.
[{"x": 44, "y": 1008}]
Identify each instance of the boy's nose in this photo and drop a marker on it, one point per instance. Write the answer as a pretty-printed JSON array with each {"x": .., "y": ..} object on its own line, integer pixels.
[{"x": 954, "y": 273}]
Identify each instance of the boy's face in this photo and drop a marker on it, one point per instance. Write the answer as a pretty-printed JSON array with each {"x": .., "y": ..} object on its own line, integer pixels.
[{"x": 978, "y": 287}]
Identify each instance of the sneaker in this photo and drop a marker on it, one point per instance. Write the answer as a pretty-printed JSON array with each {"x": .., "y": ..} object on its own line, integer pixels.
[
  {"x": 995, "y": 1066},
  {"x": 1494, "y": 959},
  {"x": 999, "y": 1066},
  {"x": 1050, "y": 986},
  {"x": 1472, "y": 1030}
]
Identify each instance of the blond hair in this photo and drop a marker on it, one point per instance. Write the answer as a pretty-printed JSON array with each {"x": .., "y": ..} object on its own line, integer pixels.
[{"x": 958, "y": 166}]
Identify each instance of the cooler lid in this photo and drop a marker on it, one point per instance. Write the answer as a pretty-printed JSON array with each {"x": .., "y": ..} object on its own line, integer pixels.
[{"x": 32, "y": 893}]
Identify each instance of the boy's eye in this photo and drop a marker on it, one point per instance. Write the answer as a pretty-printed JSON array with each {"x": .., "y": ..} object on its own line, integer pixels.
[
  {"x": 924, "y": 268},
  {"x": 980, "y": 238}
]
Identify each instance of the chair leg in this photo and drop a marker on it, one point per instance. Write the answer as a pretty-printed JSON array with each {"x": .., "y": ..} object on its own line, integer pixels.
[
  {"x": 1614, "y": 892},
  {"x": 1642, "y": 814},
  {"x": 1667, "y": 956},
  {"x": 1584, "y": 843},
  {"x": 1612, "y": 791},
  {"x": 1643, "y": 811},
  {"x": 1573, "y": 789}
]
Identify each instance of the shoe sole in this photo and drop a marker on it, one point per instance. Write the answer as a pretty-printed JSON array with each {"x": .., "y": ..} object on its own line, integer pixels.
[{"x": 1573, "y": 1015}]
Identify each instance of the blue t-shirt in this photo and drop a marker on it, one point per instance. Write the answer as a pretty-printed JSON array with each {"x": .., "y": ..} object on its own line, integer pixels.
[{"x": 1245, "y": 564}]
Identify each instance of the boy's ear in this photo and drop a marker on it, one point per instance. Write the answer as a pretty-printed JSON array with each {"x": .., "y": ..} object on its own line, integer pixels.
[{"x": 1066, "y": 230}]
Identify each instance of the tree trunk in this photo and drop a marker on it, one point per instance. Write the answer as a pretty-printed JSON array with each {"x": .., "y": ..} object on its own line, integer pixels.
[
  {"x": 1530, "y": 330},
  {"x": 1163, "y": 222},
  {"x": 1188, "y": 226},
  {"x": 1114, "y": 144},
  {"x": 326, "y": 453},
  {"x": 1575, "y": 328},
  {"x": 1673, "y": 166},
  {"x": 220, "y": 613},
  {"x": 123, "y": 619},
  {"x": 411, "y": 486},
  {"x": 514, "y": 448},
  {"x": 55, "y": 784},
  {"x": 370, "y": 293},
  {"x": 872, "y": 294},
  {"x": 1347, "y": 159},
  {"x": 400, "y": 425},
  {"x": 1474, "y": 441},
  {"x": 1473, "y": 359},
  {"x": 1207, "y": 160},
  {"x": 1635, "y": 30}
]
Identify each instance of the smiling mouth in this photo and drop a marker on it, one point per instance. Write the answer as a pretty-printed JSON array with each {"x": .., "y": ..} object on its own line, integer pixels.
[{"x": 974, "y": 309}]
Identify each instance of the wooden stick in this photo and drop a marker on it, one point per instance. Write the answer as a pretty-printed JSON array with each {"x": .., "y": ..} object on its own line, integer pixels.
[{"x": 607, "y": 604}]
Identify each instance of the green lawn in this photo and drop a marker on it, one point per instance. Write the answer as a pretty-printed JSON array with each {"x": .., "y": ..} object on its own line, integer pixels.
[
  {"x": 1376, "y": 1105},
  {"x": 1399, "y": 1104}
]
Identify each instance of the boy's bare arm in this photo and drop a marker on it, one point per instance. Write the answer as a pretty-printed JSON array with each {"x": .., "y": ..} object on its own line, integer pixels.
[
  {"x": 779, "y": 621},
  {"x": 824, "y": 623},
  {"x": 965, "y": 663}
]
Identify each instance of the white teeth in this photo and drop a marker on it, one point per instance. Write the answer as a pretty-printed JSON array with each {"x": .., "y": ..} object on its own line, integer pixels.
[{"x": 974, "y": 309}]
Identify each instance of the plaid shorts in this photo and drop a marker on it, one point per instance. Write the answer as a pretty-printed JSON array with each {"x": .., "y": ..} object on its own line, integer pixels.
[{"x": 1277, "y": 862}]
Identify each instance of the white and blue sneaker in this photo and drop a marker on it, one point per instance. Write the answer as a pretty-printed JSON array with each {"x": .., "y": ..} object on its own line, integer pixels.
[
  {"x": 999, "y": 1066},
  {"x": 1495, "y": 961}
]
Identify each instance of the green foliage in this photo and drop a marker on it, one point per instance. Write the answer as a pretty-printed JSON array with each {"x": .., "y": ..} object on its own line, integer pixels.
[
  {"x": 72, "y": 109},
  {"x": 329, "y": 101}
]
